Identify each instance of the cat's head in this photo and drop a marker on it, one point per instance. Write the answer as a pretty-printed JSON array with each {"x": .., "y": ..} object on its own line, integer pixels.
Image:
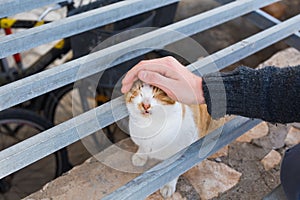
[{"x": 144, "y": 99}]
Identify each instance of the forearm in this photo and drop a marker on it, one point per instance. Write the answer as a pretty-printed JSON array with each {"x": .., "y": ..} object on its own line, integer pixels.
[{"x": 271, "y": 94}]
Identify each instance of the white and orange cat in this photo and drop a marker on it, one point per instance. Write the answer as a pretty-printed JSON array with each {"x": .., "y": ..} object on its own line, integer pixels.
[{"x": 161, "y": 126}]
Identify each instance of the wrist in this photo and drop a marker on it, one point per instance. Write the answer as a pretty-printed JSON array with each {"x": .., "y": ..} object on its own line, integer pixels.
[{"x": 199, "y": 91}]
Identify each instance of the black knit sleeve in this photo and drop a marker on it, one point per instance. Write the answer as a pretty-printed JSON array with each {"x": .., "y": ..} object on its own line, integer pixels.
[{"x": 270, "y": 93}]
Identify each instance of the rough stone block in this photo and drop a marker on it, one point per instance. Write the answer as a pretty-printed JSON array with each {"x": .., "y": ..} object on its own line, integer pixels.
[
  {"x": 258, "y": 131},
  {"x": 293, "y": 137},
  {"x": 210, "y": 178},
  {"x": 271, "y": 160}
]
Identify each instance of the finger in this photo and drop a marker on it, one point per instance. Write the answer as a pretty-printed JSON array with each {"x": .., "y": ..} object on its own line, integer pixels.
[
  {"x": 127, "y": 86},
  {"x": 149, "y": 66},
  {"x": 163, "y": 66},
  {"x": 132, "y": 75},
  {"x": 156, "y": 79},
  {"x": 168, "y": 65},
  {"x": 166, "y": 62}
]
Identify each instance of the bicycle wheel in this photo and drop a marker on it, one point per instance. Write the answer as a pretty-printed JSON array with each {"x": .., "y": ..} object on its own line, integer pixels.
[
  {"x": 17, "y": 125},
  {"x": 63, "y": 103}
]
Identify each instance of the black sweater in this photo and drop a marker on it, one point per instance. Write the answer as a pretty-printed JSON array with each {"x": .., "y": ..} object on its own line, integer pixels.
[{"x": 271, "y": 94}]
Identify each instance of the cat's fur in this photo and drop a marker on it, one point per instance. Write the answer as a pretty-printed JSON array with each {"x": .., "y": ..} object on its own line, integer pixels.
[{"x": 161, "y": 126}]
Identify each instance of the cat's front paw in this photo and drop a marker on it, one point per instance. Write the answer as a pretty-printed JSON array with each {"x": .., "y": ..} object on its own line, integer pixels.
[
  {"x": 139, "y": 159},
  {"x": 167, "y": 190}
]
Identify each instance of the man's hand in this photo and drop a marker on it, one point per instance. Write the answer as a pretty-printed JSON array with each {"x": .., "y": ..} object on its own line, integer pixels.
[{"x": 170, "y": 76}]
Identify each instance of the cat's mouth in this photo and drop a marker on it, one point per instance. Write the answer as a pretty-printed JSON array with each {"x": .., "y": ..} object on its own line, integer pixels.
[{"x": 146, "y": 112}]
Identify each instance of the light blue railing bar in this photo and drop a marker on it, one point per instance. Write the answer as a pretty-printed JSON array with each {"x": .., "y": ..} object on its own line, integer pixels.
[
  {"x": 46, "y": 81},
  {"x": 150, "y": 181},
  {"x": 11, "y": 7},
  {"x": 13, "y": 158},
  {"x": 63, "y": 28}
]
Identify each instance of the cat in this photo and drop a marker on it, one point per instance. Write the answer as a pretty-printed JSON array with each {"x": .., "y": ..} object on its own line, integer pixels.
[{"x": 161, "y": 126}]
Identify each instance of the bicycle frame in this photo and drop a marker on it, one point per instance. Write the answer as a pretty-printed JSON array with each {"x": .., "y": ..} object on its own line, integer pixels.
[
  {"x": 60, "y": 49},
  {"x": 11, "y": 73}
]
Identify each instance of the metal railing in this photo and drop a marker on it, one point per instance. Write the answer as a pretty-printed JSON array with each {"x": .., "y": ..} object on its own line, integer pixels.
[{"x": 62, "y": 135}]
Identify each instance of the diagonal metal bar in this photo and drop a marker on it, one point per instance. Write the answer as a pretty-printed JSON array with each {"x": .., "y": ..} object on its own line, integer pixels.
[
  {"x": 13, "y": 158},
  {"x": 263, "y": 20},
  {"x": 11, "y": 7},
  {"x": 41, "y": 83},
  {"x": 76, "y": 24},
  {"x": 150, "y": 181}
]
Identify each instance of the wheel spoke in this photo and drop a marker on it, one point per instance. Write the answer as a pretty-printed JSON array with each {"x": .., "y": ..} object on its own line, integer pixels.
[
  {"x": 8, "y": 130},
  {"x": 16, "y": 125}
]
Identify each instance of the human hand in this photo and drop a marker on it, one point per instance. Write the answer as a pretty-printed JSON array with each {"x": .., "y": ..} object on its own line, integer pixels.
[{"x": 169, "y": 75}]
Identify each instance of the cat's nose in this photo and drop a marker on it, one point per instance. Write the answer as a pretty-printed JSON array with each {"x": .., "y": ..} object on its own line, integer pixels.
[{"x": 146, "y": 106}]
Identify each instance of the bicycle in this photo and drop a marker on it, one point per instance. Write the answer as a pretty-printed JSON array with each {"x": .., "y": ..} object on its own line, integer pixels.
[{"x": 17, "y": 125}]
